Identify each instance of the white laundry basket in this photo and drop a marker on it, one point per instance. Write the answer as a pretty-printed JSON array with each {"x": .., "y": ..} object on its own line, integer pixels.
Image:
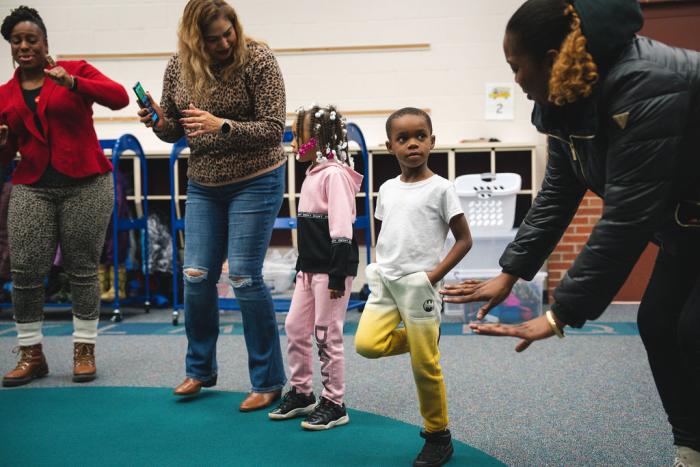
[{"x": 488, "y": 201}]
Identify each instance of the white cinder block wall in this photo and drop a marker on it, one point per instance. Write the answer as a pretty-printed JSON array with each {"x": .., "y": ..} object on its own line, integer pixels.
[{"x": 465, "y": 52}]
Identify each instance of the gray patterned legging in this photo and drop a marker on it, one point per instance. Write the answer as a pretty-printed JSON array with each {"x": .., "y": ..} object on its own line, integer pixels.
[{"x": 38, "y": 220}]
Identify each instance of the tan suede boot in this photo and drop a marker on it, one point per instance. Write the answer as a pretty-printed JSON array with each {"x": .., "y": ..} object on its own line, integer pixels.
[
  {"x": 122, "y": 282},
  {"x": 32, "y": 364},
  {"x": 108, "y": 292},
  {"x": 84, "y": 369},
  {"x": 104, "y": 278}
]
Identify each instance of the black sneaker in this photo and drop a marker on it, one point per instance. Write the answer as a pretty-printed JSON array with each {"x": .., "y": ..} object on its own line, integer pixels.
[
  {"x": 326, "y": 415},
  {"x": 293, "y": 404},
  {"x": 436, "y": 451}
]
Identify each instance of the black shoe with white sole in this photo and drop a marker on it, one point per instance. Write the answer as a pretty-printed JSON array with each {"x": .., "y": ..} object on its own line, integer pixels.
[
  {"x": 294, "y": 404},
  {"x": 326, "y": 415},
  {"x": 436, "y": 451}
]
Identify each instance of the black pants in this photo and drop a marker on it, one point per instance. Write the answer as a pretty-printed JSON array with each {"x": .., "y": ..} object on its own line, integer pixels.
[{"x": 669, "y": 323}]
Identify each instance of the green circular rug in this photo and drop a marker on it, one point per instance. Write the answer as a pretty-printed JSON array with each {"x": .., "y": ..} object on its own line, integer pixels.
[{"x": 149, "y": 426}]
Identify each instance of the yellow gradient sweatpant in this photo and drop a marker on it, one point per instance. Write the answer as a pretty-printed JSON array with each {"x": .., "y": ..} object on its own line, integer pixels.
[{"x": 413, "y": 300}]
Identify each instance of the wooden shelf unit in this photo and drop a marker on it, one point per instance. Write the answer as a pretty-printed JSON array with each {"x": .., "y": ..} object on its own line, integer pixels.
[{"x": 448, "y": 161}]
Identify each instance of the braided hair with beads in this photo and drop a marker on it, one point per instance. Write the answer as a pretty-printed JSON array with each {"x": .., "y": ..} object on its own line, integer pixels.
[{"x": 328, "y": 127}]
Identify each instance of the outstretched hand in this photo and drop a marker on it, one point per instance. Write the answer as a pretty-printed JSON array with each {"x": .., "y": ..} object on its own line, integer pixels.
[
  {"x": 529, "y": 331},
  {"x": 492, "y": 291}
]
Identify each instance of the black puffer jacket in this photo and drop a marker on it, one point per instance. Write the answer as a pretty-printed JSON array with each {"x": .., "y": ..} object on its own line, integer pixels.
[{"x": 635, "y": 143}]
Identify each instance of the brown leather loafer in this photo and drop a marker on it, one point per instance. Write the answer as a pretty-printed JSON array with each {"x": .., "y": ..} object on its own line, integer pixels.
[
  {"x": 191, "y": 386},
  {"x": 259, "y": 400}
]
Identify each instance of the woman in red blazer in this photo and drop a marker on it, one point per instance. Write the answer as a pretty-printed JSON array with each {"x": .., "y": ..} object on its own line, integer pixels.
[{"x": 62, "y": 188}]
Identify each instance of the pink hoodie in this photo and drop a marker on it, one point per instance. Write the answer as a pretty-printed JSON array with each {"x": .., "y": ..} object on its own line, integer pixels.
[
  {"x": 325, "y": 216},
  {"x": 330, "y": 188}
]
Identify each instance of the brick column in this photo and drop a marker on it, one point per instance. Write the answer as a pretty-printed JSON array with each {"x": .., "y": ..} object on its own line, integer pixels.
[{"x": 574, "y": 238}]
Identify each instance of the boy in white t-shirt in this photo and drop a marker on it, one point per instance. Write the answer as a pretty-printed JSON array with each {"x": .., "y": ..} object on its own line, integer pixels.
[{"x": 416, "y": 209}]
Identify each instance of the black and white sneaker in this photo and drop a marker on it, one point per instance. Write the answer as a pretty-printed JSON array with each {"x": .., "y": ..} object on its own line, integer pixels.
[
  {"x": 326, "y": 415},
  {"x": 436, "y": 451},
  {"x": 294, "y": 404}
]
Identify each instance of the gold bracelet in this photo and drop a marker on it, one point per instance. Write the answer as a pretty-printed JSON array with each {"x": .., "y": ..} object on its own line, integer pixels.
[{"x": 553, "y": 324}]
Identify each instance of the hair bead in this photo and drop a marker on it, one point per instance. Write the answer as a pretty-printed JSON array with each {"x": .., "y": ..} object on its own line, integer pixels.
[{"x": 328, "y": 130}]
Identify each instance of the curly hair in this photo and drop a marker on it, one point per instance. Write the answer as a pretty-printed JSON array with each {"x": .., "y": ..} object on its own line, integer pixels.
[
  {"x": 195, "y": 62},
  {"x": 574, "y": 73},
  {"x": 544, "y": 25},
  {"x": 19, "y": 15},
  {"x": 328, "y": 126}
]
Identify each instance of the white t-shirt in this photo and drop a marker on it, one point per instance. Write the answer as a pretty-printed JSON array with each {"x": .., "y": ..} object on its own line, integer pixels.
[{"x": 415, "y": 222}]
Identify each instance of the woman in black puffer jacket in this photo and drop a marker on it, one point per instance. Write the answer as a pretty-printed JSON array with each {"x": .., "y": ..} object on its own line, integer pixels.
[{"x": 622, "y": 115}]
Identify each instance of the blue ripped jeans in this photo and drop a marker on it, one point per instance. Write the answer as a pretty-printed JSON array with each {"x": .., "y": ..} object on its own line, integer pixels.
[{"x": 233, "y": 220}]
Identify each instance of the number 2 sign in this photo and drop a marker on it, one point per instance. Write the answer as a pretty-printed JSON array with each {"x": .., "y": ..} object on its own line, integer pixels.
[{"x": 499, "y": 101}]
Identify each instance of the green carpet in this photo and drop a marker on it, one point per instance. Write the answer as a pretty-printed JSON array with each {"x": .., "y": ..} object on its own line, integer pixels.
[{"x": 148, "y": 426}]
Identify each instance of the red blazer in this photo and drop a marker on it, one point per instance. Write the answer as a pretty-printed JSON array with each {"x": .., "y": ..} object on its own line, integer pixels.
[{"x": 66, "y": 116}]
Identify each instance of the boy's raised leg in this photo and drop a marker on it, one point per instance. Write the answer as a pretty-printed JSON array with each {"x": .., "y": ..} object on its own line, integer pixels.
[{"x": 377, "y": 335}]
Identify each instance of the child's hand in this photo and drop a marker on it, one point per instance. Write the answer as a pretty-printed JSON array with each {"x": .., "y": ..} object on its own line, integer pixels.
[
  {"x": 432, "y": 277},
  {"x": 336, "y": 294}
]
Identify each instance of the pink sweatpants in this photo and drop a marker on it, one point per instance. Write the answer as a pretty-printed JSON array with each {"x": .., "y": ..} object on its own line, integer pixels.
[{"x": 313, "y": 313}]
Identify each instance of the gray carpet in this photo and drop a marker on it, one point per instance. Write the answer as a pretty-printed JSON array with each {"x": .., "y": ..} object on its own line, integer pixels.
[{"x": 584, "y": 400}]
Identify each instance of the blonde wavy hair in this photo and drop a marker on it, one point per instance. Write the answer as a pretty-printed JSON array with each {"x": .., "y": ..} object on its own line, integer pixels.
[
  {"x": 194, "y": 59},
  {"x": 574, "y": 73}
]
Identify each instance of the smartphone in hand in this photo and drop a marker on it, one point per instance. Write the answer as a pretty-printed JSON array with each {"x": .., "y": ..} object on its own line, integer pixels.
[{"x": 145, "y": 101}]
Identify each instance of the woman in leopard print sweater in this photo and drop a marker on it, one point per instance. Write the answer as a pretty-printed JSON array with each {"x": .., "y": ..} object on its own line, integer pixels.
[{"x": 224, "y": 92}]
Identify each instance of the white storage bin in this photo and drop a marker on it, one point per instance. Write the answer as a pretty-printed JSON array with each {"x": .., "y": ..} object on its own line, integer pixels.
[
  {"x": 524, "y": 302},
  {"x": 488, "y": 201},
  {"x": 485, "y": 252},
  {"x": 279, "y": 270}
]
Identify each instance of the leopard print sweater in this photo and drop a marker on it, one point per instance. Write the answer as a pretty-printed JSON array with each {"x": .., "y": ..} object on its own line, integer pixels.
[{"x": 254, "y": 100}]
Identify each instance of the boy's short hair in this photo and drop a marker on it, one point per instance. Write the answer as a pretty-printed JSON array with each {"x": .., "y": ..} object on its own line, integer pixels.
[{"x": 407, "y": 111}]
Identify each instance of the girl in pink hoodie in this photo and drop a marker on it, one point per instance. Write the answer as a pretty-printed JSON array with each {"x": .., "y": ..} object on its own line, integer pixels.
[{"x": 327, "y": 263}]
